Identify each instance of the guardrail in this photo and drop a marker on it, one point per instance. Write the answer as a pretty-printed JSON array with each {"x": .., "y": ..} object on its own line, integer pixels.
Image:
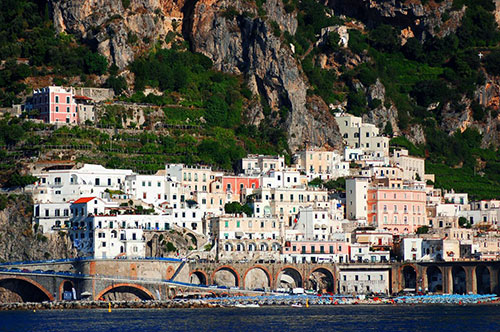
[{"x": 81, "y": 259}]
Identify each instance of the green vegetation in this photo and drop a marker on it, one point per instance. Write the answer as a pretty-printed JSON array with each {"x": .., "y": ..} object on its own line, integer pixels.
[
  {"x": 237, "y": 208},
  {"x": 26, "y": 34}
]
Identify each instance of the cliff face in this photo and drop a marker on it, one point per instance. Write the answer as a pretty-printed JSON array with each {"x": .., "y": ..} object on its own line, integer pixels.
[
  {"x": 412, "y": 17},
  {"x": 18, "y": 241},
  {"x": 245, "y": 45},
  {"x": 239, "y": 44},
  {"x": 118, "y": 32}
]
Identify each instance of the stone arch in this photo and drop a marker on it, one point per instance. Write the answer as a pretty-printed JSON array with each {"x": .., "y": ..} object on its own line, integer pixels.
[
  {"x": 258, "y": 277},
  {"x": 198, "y": 277},
  {"x": 222, "y": 276},
  {"x": 322, "y": 279},
  {"x": 21, "y": 289},
  {"x": 459, "y": 277},
  {"x": 434, "y": 279},
  {"x": 289, "y": 277},
  {"x": 193, "y": 239},
  {"x": 408, "y": 274},
  {"x": 125, "y": 291},
  {"x": 483, "y": 279},
  {"x": 66, "y": 286},
  {"x": 169, "y": 273}
]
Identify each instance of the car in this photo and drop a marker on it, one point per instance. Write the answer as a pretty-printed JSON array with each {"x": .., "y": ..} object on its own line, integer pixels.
[
  {"x": 223, "y": 287},
  {"x": 258, "y": 290}
]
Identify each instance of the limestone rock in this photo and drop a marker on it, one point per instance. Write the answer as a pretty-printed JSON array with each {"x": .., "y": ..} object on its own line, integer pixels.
[
  {"x": 245, "y": 45},
  {"x": 117, "y": 32},
  {"x": 422, "y": 20}
]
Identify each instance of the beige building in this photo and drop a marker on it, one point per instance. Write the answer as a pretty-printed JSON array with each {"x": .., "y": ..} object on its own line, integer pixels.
[
  {"x": 413, "y": 167},
  {"x": 257, "y": 164},
  {"x": 322, "y": 163},
  {"x": 197, "y": 178},
  {"x": 285, "y": 203},
  {"x": 249, "y": 238}
]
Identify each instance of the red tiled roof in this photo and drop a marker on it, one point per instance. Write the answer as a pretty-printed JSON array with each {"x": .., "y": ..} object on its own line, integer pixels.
[
  {"x": 83, "y": 97},
  {"x": 83, "y": 200}
]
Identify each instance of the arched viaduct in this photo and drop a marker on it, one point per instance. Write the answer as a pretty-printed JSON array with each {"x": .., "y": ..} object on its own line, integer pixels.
[{"x": 149, "y": 279}]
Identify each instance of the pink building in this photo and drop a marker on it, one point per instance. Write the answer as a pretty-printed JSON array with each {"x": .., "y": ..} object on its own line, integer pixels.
[
  {"x": 55, "y": 104},
  {"x": 400, "y": 211},
  {"x": 315, "y": 251},
  {"x": 236, "y": 184}
]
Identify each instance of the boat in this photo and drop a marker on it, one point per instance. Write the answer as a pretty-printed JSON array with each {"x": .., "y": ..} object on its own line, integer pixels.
[{"x": 297, "y": 305}]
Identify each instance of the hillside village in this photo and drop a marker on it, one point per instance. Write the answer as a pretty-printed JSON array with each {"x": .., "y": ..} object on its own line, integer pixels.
[{"x": 366, "y": 203}]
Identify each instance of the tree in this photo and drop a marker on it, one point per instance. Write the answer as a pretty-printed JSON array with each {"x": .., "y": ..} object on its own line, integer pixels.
[
  {"x": 316, "y": 182},
  {"x": 464, "y": 223},
  {"x": 385, "y": 38},
  {"x": 423, "y": 230},
  {"x": 117, "y": 83},
  {"x": 18, "y": 180},
  {"x": 95, "y": 63}
]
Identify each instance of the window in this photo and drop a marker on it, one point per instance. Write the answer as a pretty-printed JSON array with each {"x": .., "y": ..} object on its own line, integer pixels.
[
  {"x": 67, "y": 100},
  {"x": 97, "y": 181},
  {"x": 57, "y": 99},
  {"x": 67, "y": 109},
  {"x": 57, "y": 109}
]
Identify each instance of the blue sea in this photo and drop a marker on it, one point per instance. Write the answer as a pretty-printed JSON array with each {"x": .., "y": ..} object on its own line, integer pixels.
[{"x": 315, "y": 318}]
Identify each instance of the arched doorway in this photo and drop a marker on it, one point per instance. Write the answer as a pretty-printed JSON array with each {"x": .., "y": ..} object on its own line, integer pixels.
[
  {"x": 22, "y": 290},
  {"x": 289, "y": 278},
  {"x": 125, "y": 292},
  {"x": 409, "y": 278},
  {"x": 66, "y": 291},
  {"x": 257, "y": 278},
  {"x": 459, "y": 280},
  {"x": 226, "y": 276},
  {"x": 322, "y": 280},
  {"x": 198, "y": 278},
  {"x": 434, "y": 279},
  {"x": 483, "y": 280}
]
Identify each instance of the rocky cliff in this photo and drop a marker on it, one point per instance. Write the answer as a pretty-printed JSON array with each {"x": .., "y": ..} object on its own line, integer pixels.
[
  {"x": 229, "y": 32},
  {"x": 244, "y": 44},
  {"x": 20, "y": 242},
  {"x": 118, "y": 29},
  {"x": 414, "y": 18}
]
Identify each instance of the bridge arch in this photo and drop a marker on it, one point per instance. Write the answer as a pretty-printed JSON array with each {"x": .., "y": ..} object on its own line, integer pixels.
[
  {"x": 459, "y": 277},
  {"x": 408, "y": 275},
  {"x": 258, "y": 277},
  {"x": 289, "y": 277},
  {"x": 198, "y": 277},
  {"x": 226, "y": 275},
  {"x": 483, "y": 279},
  {"x": 66, "y": 286},
  {"x": 322, "y": 279},
  {"x": 125, "y": 291},
  {"x": 17, "y": 288},
  {"x": 434, "y": 276}
]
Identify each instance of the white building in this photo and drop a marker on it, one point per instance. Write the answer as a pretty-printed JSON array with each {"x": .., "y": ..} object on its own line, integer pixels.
[
  {"x": 362, "y": 281},
  {"x": 366, "y": 136},
  {"x": 51, "y": 217},
  {"x": 63, "y": 185},
  {"x": 363, "y": 253},
  {"x": 356, "y": 198},
  {"x": 411, "y": 249}
]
